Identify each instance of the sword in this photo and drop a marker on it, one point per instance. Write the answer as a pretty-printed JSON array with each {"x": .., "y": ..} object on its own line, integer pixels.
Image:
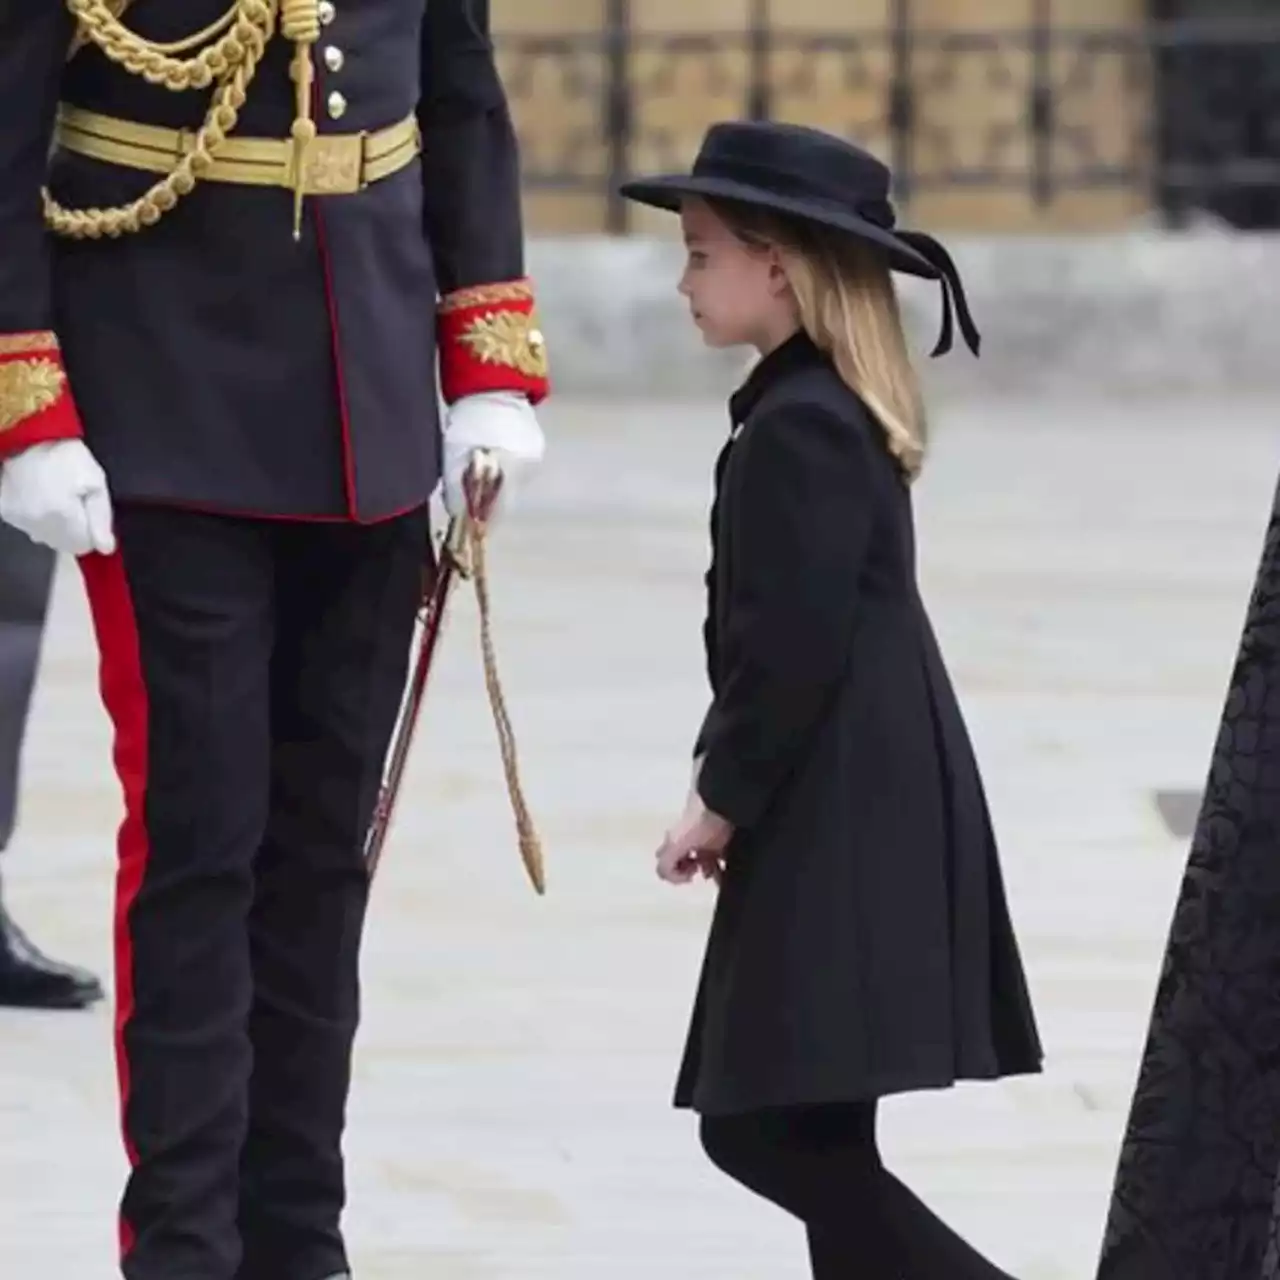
[{"x": 461, "y": 557}]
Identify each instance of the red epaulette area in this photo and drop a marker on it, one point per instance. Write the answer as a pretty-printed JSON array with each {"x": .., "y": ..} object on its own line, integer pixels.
[
  {"x": 35, "y": 401},
  {"x": 490, "y": 341}
]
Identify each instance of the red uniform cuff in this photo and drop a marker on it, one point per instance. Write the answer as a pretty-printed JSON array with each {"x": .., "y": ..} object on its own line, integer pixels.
[
  {"x": 35, "y": 402},
  {"x": 489, "y": 341}
]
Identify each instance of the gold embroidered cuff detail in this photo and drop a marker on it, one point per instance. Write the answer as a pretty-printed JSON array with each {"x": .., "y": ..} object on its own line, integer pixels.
[
  {"x": 16, "y": 344},
  {"x": 510, "y": 338},
  {"x": 28, "y": 387},
  {"x": 484, "y": 295}
]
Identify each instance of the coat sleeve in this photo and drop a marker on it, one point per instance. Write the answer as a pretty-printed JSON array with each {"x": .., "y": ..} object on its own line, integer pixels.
[
  {"x": 709, "y": 648},
  {"x": 35, "y": 401},
  {"x": 705, "y": 733},
  {"x": 799, "y": 526},
  {"x": 489, "y": 338}
]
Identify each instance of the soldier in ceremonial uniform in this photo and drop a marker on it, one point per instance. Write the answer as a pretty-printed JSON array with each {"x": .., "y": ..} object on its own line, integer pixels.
[{"x": 238, "y": 238}]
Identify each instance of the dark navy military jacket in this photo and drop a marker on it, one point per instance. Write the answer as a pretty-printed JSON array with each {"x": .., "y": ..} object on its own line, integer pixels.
[{"x": 215, "y": 362}]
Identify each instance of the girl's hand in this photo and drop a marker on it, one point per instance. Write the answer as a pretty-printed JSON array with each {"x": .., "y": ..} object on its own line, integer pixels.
[{"x": 695, "y": 844}]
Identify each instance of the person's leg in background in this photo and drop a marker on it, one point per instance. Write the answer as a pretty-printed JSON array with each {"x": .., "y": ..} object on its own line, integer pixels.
[
  {"x": 822, "y": 1165},
  {"x": 28, "y": 978}
]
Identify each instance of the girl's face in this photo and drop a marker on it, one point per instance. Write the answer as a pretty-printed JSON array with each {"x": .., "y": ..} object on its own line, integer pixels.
[{"x": 738, "y": 293}]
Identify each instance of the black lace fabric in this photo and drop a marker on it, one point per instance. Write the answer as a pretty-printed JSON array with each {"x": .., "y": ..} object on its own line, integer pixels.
[{"x": 1195, "y": 1196}]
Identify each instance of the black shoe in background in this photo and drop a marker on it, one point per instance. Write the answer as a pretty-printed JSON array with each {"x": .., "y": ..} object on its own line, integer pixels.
[{"x": 31, "y": 980}]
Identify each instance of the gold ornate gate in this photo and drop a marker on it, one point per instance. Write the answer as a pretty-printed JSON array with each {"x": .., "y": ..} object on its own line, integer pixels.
[{"x": 996, "y": 115}]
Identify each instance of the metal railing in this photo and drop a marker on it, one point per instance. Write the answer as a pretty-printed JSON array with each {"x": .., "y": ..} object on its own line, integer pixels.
[{"x": 1180, "y": 114}]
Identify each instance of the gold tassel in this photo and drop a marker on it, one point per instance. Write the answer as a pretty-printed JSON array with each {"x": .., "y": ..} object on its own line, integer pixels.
[{"x": 300, "y": 22}]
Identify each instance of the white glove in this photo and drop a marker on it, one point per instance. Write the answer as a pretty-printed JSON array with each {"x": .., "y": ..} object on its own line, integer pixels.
[
  {"x": 503, "y": 422},
  {"x": 56, "y": 493}
]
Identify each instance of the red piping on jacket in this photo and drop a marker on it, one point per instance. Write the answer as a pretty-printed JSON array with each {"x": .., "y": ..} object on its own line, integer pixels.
[{"x": 335, "y": 330}]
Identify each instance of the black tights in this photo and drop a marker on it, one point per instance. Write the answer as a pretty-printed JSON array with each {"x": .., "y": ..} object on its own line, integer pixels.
[{"x": 822, "y": 1165}]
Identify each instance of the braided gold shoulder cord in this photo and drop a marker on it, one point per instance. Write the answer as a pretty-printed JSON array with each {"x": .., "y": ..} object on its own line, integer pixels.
[{"x": 233, "y": 48}]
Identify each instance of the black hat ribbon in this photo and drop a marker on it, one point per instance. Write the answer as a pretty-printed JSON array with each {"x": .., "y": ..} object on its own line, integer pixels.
[{"x": 952, "y": 292}]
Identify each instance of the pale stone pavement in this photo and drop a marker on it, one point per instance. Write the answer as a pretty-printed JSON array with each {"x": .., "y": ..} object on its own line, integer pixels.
[{"x": 1087, "y": 568}]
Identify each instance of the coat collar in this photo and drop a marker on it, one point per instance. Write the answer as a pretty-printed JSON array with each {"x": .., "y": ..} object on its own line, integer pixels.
[{"x": 796, "y": 353}]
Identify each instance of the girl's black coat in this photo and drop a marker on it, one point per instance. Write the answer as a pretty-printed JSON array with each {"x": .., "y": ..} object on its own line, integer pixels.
[{"x": 861, "y": 943}]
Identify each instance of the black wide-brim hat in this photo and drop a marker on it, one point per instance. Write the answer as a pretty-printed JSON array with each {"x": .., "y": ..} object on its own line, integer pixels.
[{"x": 815, "y": 177}]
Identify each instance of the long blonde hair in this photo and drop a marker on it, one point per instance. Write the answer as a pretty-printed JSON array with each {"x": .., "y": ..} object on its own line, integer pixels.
[{"x": 848, "y": 305}]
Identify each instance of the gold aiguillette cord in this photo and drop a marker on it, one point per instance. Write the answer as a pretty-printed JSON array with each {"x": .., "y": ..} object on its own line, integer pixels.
[{"x": 466, "y": 544}]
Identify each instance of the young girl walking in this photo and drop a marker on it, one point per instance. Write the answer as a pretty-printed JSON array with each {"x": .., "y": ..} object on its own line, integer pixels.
[{"x": 861, "y": 944}]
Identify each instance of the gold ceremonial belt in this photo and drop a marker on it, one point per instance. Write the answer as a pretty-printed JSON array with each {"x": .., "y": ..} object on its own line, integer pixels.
[{"x": 335, "y": 163}]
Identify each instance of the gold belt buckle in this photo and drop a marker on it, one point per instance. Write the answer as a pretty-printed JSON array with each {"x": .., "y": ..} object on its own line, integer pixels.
[{"x": 334, "y": 165}]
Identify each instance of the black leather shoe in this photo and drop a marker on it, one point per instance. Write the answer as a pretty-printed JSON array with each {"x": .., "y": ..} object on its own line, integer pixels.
[{"x": 30, "y": 980}]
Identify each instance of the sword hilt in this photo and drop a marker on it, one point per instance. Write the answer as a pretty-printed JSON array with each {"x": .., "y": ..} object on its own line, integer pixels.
[{"x": 480, "y": 487}]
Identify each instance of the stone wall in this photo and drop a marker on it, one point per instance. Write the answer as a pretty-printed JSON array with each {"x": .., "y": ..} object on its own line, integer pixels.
[{"x": 1127, "y": 313}]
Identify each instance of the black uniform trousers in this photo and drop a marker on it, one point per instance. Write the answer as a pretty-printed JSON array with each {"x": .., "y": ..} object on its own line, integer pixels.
[
  {"x": 822, "y": 1164},
  {"x": 253, "y": 670}
]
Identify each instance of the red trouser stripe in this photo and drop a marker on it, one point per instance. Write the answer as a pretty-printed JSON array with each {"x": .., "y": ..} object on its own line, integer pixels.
[{"x": 124, "y": 694}]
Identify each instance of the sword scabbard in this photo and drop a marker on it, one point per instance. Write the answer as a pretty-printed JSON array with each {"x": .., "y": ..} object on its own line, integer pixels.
[{"x": 460, "y": 556}]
